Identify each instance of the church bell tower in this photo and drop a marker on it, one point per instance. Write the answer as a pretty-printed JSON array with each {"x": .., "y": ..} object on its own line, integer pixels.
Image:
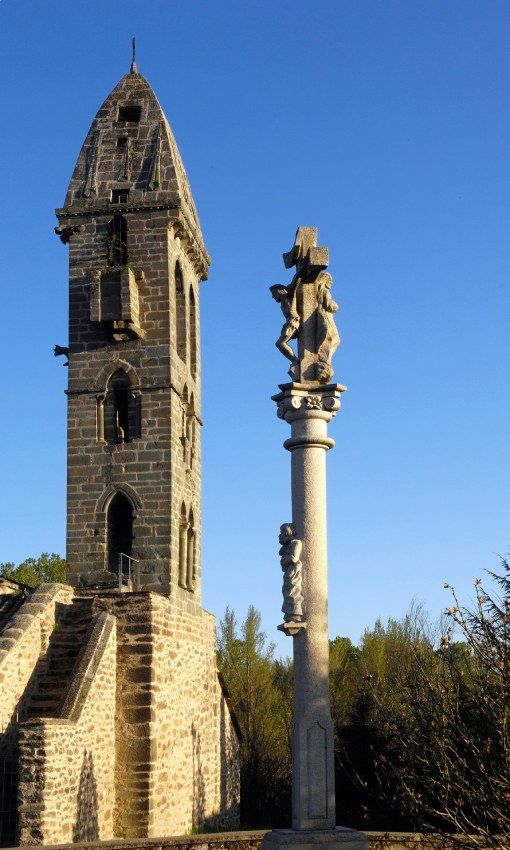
[{"x": 136, "y": 259}]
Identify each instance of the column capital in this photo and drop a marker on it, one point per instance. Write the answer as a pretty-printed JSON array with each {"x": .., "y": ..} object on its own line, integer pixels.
[{"x": 304, "y": 401}]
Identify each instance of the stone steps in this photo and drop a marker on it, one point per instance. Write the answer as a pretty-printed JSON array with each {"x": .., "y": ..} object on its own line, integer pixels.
[{"x": 58, "y": 665}]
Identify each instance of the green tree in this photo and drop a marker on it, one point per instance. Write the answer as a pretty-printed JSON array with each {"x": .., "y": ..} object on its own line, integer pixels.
[
  {"x": 33, "y": 571},
  {"x": 258, "y": 688},
  {"x": 363, "y": 692}
]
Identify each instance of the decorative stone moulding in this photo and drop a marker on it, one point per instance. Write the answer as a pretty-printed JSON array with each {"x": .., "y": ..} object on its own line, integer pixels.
[{"x": 299, "y": 401}]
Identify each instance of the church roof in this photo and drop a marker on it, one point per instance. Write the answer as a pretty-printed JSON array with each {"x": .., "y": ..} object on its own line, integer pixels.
[{"x": 130, "y": 159}]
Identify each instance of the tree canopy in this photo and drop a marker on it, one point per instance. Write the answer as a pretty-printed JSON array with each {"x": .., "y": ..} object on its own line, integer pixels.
[{"x": 34, "y": 571}]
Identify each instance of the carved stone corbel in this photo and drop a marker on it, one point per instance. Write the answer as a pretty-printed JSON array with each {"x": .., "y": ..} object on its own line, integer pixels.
[{"x": 69, "y": 230}]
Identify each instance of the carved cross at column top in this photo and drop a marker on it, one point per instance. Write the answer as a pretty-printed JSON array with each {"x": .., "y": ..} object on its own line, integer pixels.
[
  {"x": 308, "y": 309},
  {"x": 305, "y": 253}
]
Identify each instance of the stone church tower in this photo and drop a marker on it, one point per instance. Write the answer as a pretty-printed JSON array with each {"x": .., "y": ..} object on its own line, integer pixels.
[
  {"x": 136, "y": 258},
  {"x": 115, "y": 722}
]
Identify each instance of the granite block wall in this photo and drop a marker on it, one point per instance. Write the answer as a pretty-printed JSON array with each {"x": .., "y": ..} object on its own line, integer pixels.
[{"x": 66, "y": 764}]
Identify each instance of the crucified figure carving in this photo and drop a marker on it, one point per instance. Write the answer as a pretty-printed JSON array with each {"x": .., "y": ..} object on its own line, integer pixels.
[{"x": 286, "y": 296}]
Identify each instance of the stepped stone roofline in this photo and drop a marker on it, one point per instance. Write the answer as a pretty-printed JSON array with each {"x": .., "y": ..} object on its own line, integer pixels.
[{"x": 130, "y": 161}]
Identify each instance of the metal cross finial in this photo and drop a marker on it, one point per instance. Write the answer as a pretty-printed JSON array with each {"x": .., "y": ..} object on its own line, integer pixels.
[{"x": 134, "y": 69}]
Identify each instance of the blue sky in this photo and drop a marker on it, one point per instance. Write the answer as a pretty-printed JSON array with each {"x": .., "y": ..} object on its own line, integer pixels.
[{"x": 387, "y": 126}]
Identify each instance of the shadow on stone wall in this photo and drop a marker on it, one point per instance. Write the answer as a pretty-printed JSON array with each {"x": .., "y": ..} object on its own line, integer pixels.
[
  {"x": 86, "y": 827},
  {"x": 198, "y": 781},
  {"x": 229, "y": 775}
]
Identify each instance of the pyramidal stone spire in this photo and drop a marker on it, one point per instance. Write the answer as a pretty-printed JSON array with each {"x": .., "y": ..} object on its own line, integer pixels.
[{"x": 130, "y": 157}]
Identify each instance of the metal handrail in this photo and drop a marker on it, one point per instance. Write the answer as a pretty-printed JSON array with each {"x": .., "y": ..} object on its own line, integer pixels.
[{"x": 130, "y": 561}]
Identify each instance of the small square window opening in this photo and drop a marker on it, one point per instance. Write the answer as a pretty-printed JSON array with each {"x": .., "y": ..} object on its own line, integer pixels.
[
  {"x": 120, "y": 196},
  {"x": 122, "y": 142},
  {"x": 130, "y": 113}
]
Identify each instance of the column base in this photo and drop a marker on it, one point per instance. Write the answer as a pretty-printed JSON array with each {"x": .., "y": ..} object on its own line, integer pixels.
[{"x": 339, "y": 838}]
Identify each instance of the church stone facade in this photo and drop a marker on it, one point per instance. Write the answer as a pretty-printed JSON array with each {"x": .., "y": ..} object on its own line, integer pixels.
[{"x": 115, "y": 722}]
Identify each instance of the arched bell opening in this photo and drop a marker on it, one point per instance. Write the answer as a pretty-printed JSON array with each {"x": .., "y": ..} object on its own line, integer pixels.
[
  {"x": 120, "y": 410},
  {"x": 116, "y": 250},
  {"x": 119, "y": 523}
]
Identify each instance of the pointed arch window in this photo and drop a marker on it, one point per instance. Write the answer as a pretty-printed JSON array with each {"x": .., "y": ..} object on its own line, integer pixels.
[
  {"x": 192, "y": 333},
  {"x": 121, "y": 411},
  {"x": 116, "y": 245},
  {"x": 119, "y": 523},
  {"x": 180, "y": 313}
]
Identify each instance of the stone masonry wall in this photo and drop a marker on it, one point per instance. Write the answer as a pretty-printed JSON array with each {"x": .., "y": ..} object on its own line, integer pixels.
[
  {"x": 157, "y": 471},
  {"x": 176, "y": 750},
  {"x": 196, "y": 762},
  {"x": 143, "y": 464},
  {"x": 66, "y": 784},
  {"x": 22, "y": 646}
]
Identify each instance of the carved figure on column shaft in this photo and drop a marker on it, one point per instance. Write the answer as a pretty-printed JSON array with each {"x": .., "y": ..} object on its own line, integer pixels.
[{"x": 290, "y": 560}]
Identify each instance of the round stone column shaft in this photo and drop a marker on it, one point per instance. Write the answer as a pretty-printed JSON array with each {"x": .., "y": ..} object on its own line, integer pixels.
[
  {"x": 313, "y": 779},
  {"x": 313, "y": 795}
]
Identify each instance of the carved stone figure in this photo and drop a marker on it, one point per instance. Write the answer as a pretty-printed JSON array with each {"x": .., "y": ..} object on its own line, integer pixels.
[
  {"x": 61, "y": 351},
  {"x": 286, "y": 297},
  {"x": 308, "y": 309},
  {"x": 290, "y": 554},
  {"x": 328, "y": 338},
  {"x": 65, "y": 233}
]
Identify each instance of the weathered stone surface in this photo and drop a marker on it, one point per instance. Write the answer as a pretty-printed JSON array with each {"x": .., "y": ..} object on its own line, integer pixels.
[{"x": 308, "y": 309}]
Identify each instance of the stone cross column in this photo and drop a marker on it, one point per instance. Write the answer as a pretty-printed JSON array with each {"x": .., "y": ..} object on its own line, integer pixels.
[{"x": 307, "y": 404}]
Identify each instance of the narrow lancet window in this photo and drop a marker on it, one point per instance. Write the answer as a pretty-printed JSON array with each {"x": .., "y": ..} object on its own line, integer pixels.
[
  {"x": 190, "y": 432},
  {"x": 192, "y": 333},
  {"x": 190, "y": 554},
  {"x": 180, "y": 312},
  {"x": 184, "y": 421},
  {"x": 183, "y": 541}
]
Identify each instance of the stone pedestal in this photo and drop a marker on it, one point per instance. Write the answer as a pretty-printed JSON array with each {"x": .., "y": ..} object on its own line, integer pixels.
[{"x": 338, "y": 838}]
